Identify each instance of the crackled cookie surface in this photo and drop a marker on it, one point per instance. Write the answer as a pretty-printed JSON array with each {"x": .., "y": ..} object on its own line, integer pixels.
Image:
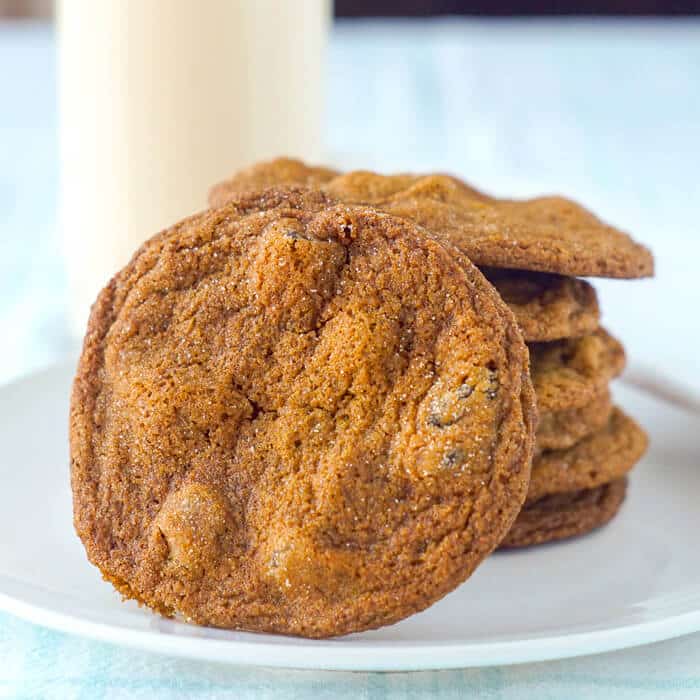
[
  {"x": 547, "y": 234},
  {"x": 280, "y": 172},
  {"x": 558, "y": 430},
  {"x": 547, "y": 307},
  {"x": 566, "y": 515},
  {"x": 603, "y": 456},
  {"x": 296, "y": 416},
  {"x": 571, "y": 373}
]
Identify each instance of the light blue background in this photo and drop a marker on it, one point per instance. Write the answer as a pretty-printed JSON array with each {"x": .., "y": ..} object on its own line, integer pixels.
[
  {"x": 37, "y": 663},
  {"x": 608, "y": 111}
]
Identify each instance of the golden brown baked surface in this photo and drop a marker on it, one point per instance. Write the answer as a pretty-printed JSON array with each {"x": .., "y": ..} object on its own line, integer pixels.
[
  {"x": 281, "y": 172},
  {"x": 604, "y": 456},
  {"x": 296, "y": 416},
  {"x": 571, "y": 373},
  {"x": 547, "y": 307},
  {"x": 558, "y": 430},
  {"x": 547, "y": 234},
  {"x": 566, "y": 515}
]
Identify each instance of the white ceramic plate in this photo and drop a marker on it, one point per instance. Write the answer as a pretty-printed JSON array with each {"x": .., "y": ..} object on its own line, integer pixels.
[{"x": 633, "y": 582}]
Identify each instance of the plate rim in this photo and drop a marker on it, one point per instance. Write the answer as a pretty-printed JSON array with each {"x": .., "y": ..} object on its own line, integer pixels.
[{"x": 335, "y": 654}]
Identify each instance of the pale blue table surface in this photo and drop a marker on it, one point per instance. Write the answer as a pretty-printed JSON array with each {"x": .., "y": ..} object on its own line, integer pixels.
[{"x": 607, "y": 111}]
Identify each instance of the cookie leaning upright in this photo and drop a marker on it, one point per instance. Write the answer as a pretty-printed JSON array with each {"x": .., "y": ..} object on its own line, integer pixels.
[{"x": 297, "y": 416}]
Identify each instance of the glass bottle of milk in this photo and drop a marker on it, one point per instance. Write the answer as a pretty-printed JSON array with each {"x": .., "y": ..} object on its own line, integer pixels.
[{"x": 159, "y": 99}]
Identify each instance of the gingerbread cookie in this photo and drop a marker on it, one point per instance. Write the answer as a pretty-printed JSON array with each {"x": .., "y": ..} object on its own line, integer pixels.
[
  {"x": 281, "y": 172},
  {"x": 572, "y": 373},
  {"x": 566, "y": 515},
  {"x": 297, "y": 416},
  {"x": 604, "y": 456},
  {"x": 561, "y": 429},
  {"x": 547, "y": 307},
  {"x": 546, "y": 234}
]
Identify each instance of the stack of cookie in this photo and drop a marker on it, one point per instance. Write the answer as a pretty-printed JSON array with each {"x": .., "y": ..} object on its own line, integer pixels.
[
  {"x": 585, "y": 445},
  {"x": 533, "y": 252},
  {"x": 306, "y": 410}
]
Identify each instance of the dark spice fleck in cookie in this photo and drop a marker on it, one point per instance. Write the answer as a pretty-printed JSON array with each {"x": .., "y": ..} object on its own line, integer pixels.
[{"x": 296, "y": 416}]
